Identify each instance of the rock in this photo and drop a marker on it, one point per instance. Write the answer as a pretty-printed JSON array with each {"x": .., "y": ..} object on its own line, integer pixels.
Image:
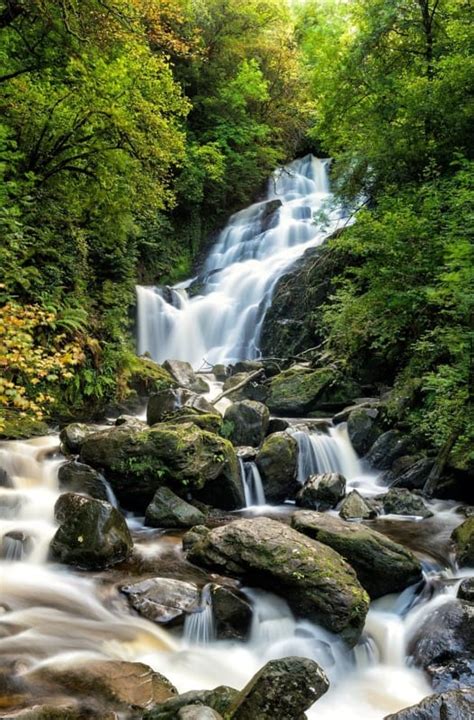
[
  {"x": 167, "y": 510},
  {"x": 252, "y": 390},
  {"x": 362, "y": 428},
  {"x": 80, "y": 478},
  {"x": 72, "y": 436},
  {"x": 185, "y": 376},
  {"x": 5, "y": 479},
  {"x": 181, "y": 456},
  {"x": 247, "y": 366},
  {"x": 165, "y": 404},
  {"x": 399, "y": 501},
  {"x": 296, "y": 390},
  {"x": 220, "y": 700},
  {"x": 463, "y": 537},
  {"x": 198, "y": 712},
  {"x": 92, "y": 534},
  {"x": 386, "y": 449},
  {"x": 220, "y": 372},
  {"x": 444, "y": 646},
  {"x": 144, "y": 376},
  {"x": 163, "y": 600},
  {"x": 317, "y": 583},
  {"x": 414, "y": 476},
  {"x": 466, "y": 590},
  {"x": 282, "y": 689},
  {"x": 277, "y": 425},
  {"x": 382, "y": 565},
  {"x": 232, "y": 613},
  {"x": 277, "y": 461},
  {"x": 354, "y": 507},
  {"x": 246, "y": 453},
  {"x": 118, "y": 682},
  {"x": 249, "y": 422},
  {"x": 15, "y": 545},
  {"x": 451, "y": 705},
  {"x": 322, "y": 492}
]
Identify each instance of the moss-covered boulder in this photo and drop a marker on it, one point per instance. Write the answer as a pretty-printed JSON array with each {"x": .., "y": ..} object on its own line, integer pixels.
[
  {"x": 73, "y": 435},
  {"x": 322, "y": 492},
  {"x": 220, "y": 699},
  {"x": 277, "y": 461},
  {"x": 167, "y": 510},
  {"x": 185, "y": 376},
  {"x": 181, "y": 456},
  {"x": 92, "y": 534},
  {"x": 463, "y": 537},
  {"x": 14, "y": 426},
  {"x": 295, "y": 391},
  {"x": 315, "y": 580},
  {"x": 143, "y": 376},
  {"x": 170, "y": 402},
  {"x": 400, "y": 501},
  {"x": 248, "y": 421},
  {"x": 355, "y": 507},
  {"x": 249, "y": 389},
  {"x": 283, "y": 689},
  {"x": 382, "y": 566}
]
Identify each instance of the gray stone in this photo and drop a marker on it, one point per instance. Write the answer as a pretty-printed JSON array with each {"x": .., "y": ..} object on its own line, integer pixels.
[
  {"x": 163, "y": 600},
  {"x": 400, "y": 501},
  {"x": 167, "y": 510},
  {"x": 220, "y": 700},
  {"x": 387, "y": 448},
  {"x": 466, "y": 590},
  {"x": 232, "y": 613},
  {"x": 249, "y": 422},
  {"x": 355, "y": 507},
  {"x": 72, "y": 436},
  {"x": 322, "y": 492},
  {"x": 185, "y": 376},
  {"x": 362, "y": 428},
  {"x": 80, "y": 478},
  {"x": 452, "y": 705},
  {"x": 164, "y": 404},
  {"x": 277, "y": 461}
]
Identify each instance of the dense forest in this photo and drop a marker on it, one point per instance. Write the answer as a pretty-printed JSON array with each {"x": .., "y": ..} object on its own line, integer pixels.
[{"x": 130, "y": 129}]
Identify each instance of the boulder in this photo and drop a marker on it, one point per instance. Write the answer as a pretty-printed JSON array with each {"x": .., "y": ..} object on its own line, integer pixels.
[
  {"x": 362, "y": 428},
  {"x": 295, "y": 391},
  {"x": 247, "y": 366},
  {"x": 400, "y": 501},
  {"x": 463, "y": 537},
  {"x": 80, "y": 478},
  {"x": 414, "y": 476},
  {"x": 166, "y": 403},
  {"x": 382, "y": 565},
  {"x": 181, "y": 456},
  {"x": 72, "y": 436},
  {"x": 197, "y": 712},
  {"x": 167, "y": 510},
  {"x": 220, "y": 372},
  {"x": 451, "y": 705},
  {"x": 443, "y": 646},
  {"x": 387, "y": 448},
  {"x": 322, "y": 492},
  {"x": 277, "y": 462},
  {"x": 185, "y": 376},
  {"x": 277, "y": 425},
  {"x": 355, "y": 507},
  {"x": 315, "y": 580},
  {"x": 220, "y": 700},
  {"x": 251, "y": 390},
  {"x": 163, "y": 600},
  {"x": 249, "y": 420},
  {"x": 283, "y": 689},
  {"x": 466, "y": 590},
  {"x": 92, "y": 534},
  {"x": 232, "y": 613}
]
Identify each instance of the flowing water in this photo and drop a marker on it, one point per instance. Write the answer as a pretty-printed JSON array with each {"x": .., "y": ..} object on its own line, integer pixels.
[{"x": 54, "y": 614}]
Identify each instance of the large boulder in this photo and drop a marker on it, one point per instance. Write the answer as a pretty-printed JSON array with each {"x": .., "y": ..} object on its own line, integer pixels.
[
  {"x": 167, "y": 510},
  {"x": 282, "y": 690},
  {"x": 362, "y": 428},
  {"x": 181, "y": 456},
  {"x": 387, "y": 448},
  {"x": 322, "y": 492},
  {"x": 185, "y": 376},
  {"x": 170, "y": 402},
  {"x": 355, "y": 507},
  {"x": 295, "y": 391},
  {"x": 400, "y": 501},
  {"x": 277, "y": 461},
  {"x": 220, "y": 699},
  {"x": 80, "y": 478},
  {"x": 382, "y": 566},
  {"x": 451, "y": 705},
  {"x": 317, "y": 583},
  {"x": 91, "y": 534},
  {"x": 414, "y": 476},
  {"x": 73, "y": 435},
  {"x": 232, "y": 613},
  {"x": 248, "y": 386},
  {"x": 463, "y": 537},
  {"x": 443, "y": 646},
  {"x": 163, "y": 600},
  {"x": 249, "y": 422}
]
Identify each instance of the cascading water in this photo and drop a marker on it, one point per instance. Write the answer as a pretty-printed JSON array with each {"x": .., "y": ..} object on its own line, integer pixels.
[
  {"x": 252, "y": 483},
  {"x": 199, "y": 627},
  {"x": 259, "y": 244}
]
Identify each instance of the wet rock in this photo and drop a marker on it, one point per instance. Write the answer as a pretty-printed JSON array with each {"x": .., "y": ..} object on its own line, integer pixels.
[
  {"x": 167, "y": 510},
  {"x": 246, "y": 453},
  {"x": 451, "y": 705},
  {"x": 163, "y": 600},
  {"x": 121, "y": 683},
  {"x": 220, "y": 372},
  {"x": 232, "y": 613},
  {"x": 414, "y": 476},
  {"x": 277, "y": 425},
  {"x": 282, "y": 689},
  {"x": 382, "y": 565},
  {"x": 444, "y": 646},
  {"x": 73, "y": 436},
  {"x": 180, "y": 456},
  {"x": 5, "y": 479},
  {"x": 387, "y": 448},
  {"x": 463, "y": 537},
  {"x": 249, "y": 421},
  {"x": 220, "y": 700},
  {"x": 355, "y": 507},
  {"x": 252, "y": 390},
  {"x": 315, "y": 580},
  {"x": 185, "y": 376},
  {"x": 277, "y": 461},
  {"x": 296, "y": 390},
  {"x": 198, "y": 712},
  {"x": 92, "y": 534},
  {"x": 247, "y": 366},
  {"x": 399, "y": 501},
  {"x": 362, "y": 428},
  {"x": 322, "y": 492},
  {"x": 466, "y": 590},
  {"x": 166, "y": 403},
  {"x": 80, "y": 478},
  {"x": 15, "y": 545}
]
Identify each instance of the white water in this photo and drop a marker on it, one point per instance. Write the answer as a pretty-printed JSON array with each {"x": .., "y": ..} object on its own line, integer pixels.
[
  {"x": 223, "y": 323},
  {"x": 252, "y": 483}
]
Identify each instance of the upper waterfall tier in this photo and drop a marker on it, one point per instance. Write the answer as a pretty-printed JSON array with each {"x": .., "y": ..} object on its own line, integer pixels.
[{"x": 257, "y": 246}]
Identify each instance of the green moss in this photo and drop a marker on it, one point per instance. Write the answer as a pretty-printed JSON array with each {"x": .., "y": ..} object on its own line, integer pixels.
[
  {"x": 14, "y": 426},
  {"x": 463, "y": 535},
  {"x": 143, "y": 376},
  {"x": 297, "y": 390}
]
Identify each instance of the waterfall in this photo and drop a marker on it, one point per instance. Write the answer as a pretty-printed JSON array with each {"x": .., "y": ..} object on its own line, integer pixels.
[
  {"x": 258, "y": 245},
  {"x": 325, "y": 452},
  {"x": 199, "y": 627},
  {"x": 251, "y": 483}
]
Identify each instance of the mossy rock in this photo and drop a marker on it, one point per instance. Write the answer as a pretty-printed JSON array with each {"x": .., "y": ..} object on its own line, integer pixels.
[
  {"x": 296, "y": 391},
  {"x": 144, "y": 376},
  {"x": 277, "y": 461},
  {"x": 463, "y": 536},
  {"x": 14, "y": 426}
]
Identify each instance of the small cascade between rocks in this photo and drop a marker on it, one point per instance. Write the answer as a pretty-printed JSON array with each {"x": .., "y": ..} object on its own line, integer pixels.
[
  {"x": 251, "y": 483},
  {"x": 199, "y": 626},
  {"x": 325, "y": 452}
]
